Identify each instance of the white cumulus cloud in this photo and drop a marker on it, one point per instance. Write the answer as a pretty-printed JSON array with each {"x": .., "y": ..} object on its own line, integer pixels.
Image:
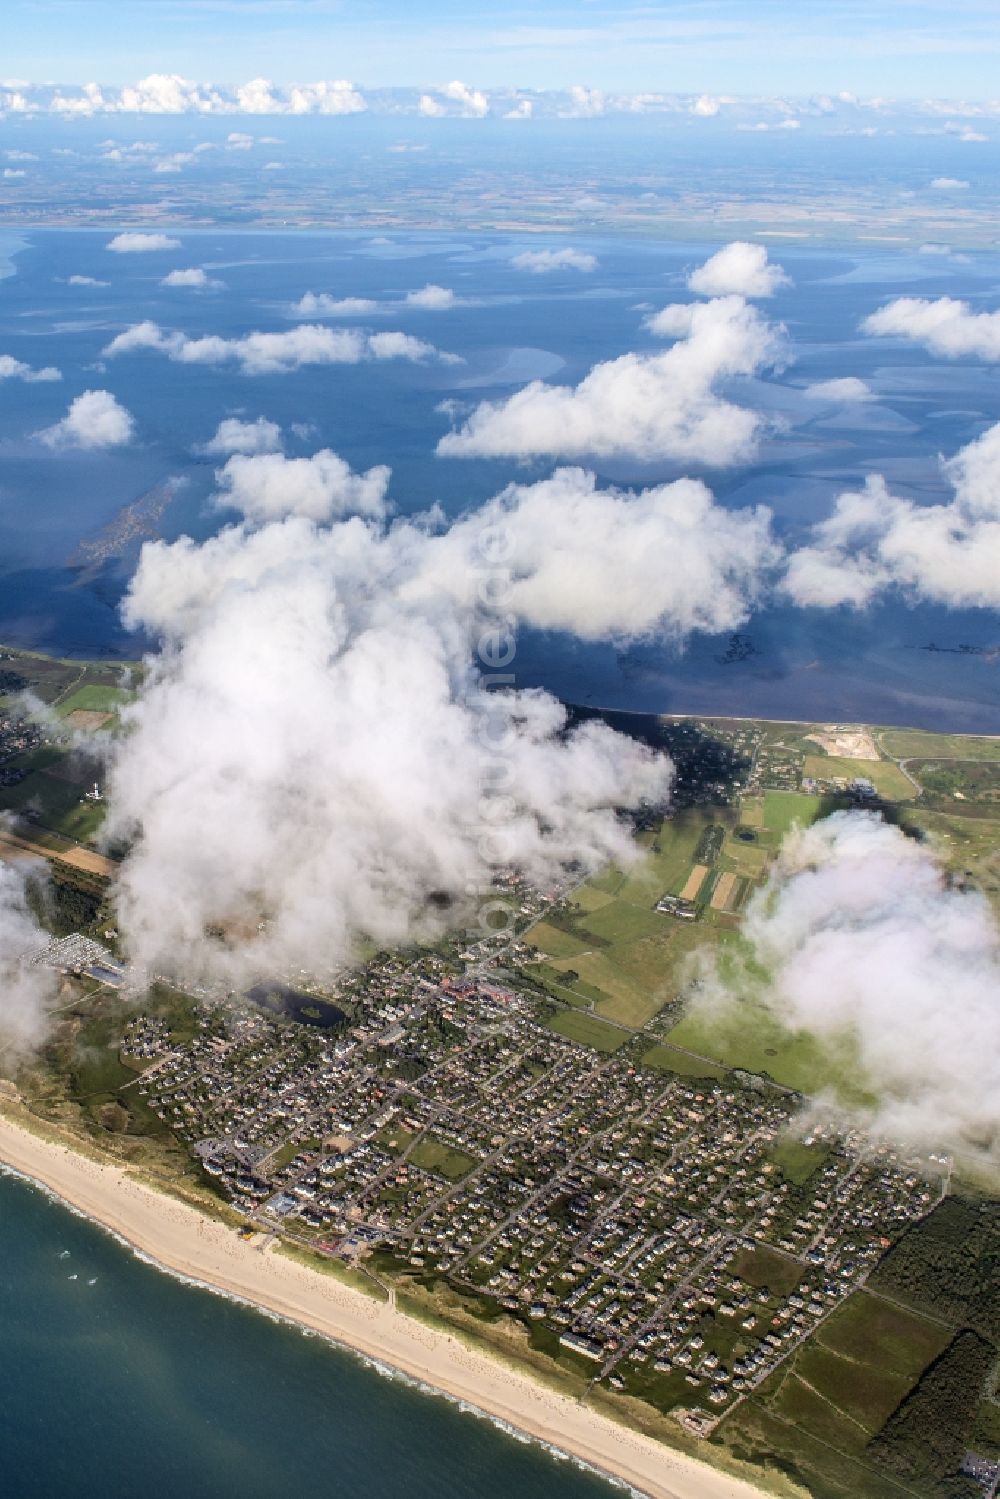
[
  {"x": 859, "y": 938},
  {"x": 194, "y": 279},
  {"x": 321, "y": 304},
  {"x": 431, "y": 298},
  {"x": 739, "y": 269},
  {"x": 584, "y": 103},
  {"x": 945, "y": 326},
  {"x": 275, "y": 353},
  {"x": 235, "y": 436},
  {"x": 472, "y": 104},
  {"x": 847, "y": 388},
  {"x": 640, "y": 405},
  {"x": 945, "y": 553},
  {"x": 269, "y": 486},
  {"x": 16, "y": 369},
  {"x": 611, "y": 564},
  {"x": 541, "y": 262},
  {"x": 328, "y": 97},
  {"x": 138, "y": 244},
  {"x": 94, "y": 420},
  {"x": 313, "y": 760}
]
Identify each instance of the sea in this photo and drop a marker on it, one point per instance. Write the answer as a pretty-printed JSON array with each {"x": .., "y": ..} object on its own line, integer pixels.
[
  {"x": 894, "y": 663},
  {"x": 117, "y": 1379}
]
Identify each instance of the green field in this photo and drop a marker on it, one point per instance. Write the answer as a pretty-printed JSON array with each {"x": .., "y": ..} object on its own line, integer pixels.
[
  {"x": 784, "y": 1444},
  {"x": 567, "y": 985},
  {"x": 797, "y": 1161},
  {"x": 866, "y": 1393},
  {"x": 49, "y": 677},
  {"x": 747, "y": 1036},
  {"x": 638, "y": 977},
  {"x": 669, "y": 1059},
  {"x": 588, "y": 1030},
  {"x": 431, "y": 1154},
  {"x": 868, "y": 1328},
  {"x": 887, "y": 778},
  {"x": 555, "y": 942},
  {"x": 820, "y": 1412},
  {"x": 629, "y": 958},
  {"x": 986, "y": 1435},
  {"x": 762, "y": 1266},
  {"x": 94, "y": 698},
  {"x": 54, "y": 802},
  {"x": 903, "y": 744},
  {"x": 783, "y": 809}
]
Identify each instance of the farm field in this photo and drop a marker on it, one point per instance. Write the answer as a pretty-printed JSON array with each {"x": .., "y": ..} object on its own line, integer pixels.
[
  {"x": 50, "y": 847},
  {"x": 612, "y": 951}
]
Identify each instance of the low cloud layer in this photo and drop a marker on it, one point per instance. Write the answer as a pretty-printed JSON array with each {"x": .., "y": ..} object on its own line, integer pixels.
[
  {"x": 26, "y": 991},
  {"x": 171, "y": 94},
  {"x": 276, "y": 353},
  {"x": 650, "y": 406},
  {"x": 313, "y": 756},
  {"x": 738, "y": 269},
  {"x": 947, "y": 554},
  {"x": 94, "y": 420},
  {"x": 455, "y": 98},
  {"x": 859, "y": 935},
  {"x": 945, "y": 326}
]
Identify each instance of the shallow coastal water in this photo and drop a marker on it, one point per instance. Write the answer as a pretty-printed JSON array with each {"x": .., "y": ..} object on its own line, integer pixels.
[
  {"x": 507, "y": 327},
  {"x": 117, "y": 1379}
]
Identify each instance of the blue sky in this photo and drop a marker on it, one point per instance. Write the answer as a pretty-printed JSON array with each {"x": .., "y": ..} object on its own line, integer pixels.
[{"x": 895, "y": 48}]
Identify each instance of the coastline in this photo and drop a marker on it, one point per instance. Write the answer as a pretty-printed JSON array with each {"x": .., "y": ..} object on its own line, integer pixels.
[{"x": 185, "y": 1242}]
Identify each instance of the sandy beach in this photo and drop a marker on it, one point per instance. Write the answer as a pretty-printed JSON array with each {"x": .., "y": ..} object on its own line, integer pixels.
[{"x": 189, "y": 1243}]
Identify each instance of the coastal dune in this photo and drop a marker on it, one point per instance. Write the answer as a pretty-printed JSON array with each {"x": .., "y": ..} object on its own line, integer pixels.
[{"x": 188, "y": 1243}]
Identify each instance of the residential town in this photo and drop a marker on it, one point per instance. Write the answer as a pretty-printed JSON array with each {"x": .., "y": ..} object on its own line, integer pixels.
[{"x": 665, "y": 1233}]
